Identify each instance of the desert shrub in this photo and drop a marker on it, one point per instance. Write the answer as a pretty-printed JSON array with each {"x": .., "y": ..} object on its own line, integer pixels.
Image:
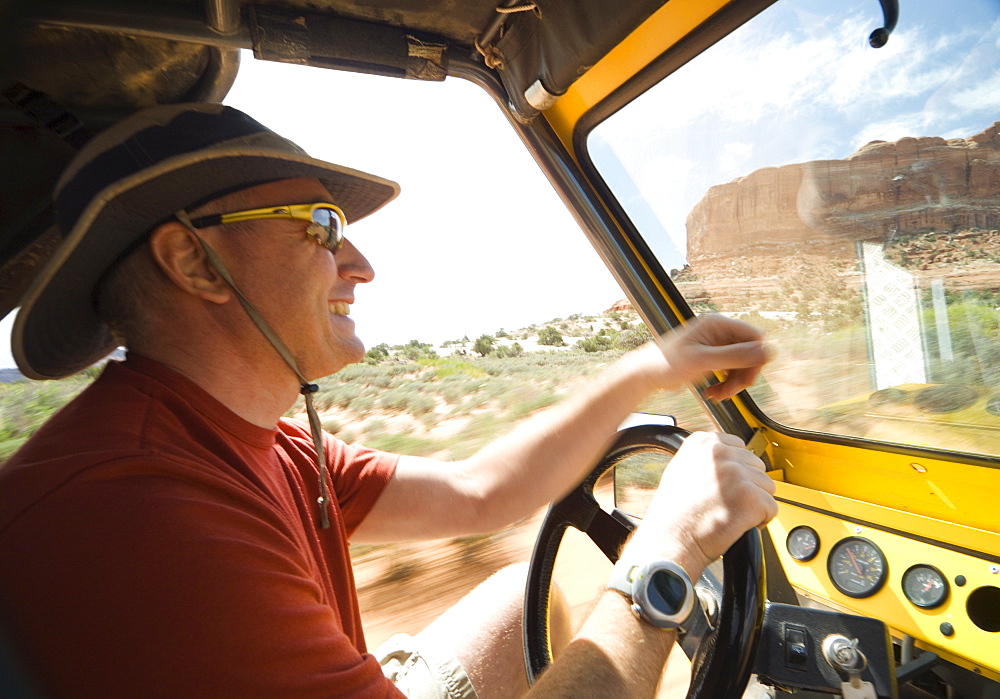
[
  {"x": 471, "y": 402},
  {"x": 551, "y": 337},
  {"x": 394, "y": 401},
  {"x": 633, "y": 337},
  {"x": 377, "y": 354},
  {"x": 387, "y": 381},
  {"x": 973, "y": 331},
  {"x": 493, "y": 365},
  {"x": 360, "y": 373},
  {"x": 483, "y": 345},
  {"x": 362, "y": 404},
  {"x": 414, "y": 350},
  {"x": 456, "y": 387},
  {"x": 598, "y": 343},
  {"x": 336, "y": 396},
  {"x": 514, "y": 350},
  {"x": 421, "y": 404},
  {"x": 642, "y": 470},
  {"x": 26, "y": 405},
  {"x": 9, "y": 446},
  {"x": 682, "y": 404},
  {"x": 509, "y": 391},
  {"x": 766, "y": 325}
]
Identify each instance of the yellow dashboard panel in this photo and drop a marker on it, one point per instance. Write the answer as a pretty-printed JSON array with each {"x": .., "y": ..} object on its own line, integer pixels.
[
  {"x": 946, "y": 491},
  {"x": 962, "y": 626}
]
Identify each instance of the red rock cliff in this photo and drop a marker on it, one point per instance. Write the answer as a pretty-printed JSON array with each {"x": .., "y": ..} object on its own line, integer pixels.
[{"x": 822, "y": 207}]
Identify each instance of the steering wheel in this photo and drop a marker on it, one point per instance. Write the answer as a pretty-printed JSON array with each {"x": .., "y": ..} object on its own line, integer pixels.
[{"x": 721, "y": 650}]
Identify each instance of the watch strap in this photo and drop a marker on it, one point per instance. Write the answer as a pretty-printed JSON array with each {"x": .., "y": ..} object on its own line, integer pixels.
[{"x": 622, "y": 577}]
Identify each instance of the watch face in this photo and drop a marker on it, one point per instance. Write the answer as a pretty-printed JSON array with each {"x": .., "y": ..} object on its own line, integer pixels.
[{"x": 666, "y": 591}]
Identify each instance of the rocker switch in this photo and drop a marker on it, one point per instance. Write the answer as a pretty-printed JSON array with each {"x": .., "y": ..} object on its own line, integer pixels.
[{"x": 796, "y": 647}]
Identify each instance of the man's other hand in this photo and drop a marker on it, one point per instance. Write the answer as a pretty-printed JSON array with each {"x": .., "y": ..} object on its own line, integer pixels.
[{"x": 706, "y": 344}]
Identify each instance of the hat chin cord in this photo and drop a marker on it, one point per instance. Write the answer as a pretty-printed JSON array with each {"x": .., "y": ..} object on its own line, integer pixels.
[{"x": 307, "y": 389}]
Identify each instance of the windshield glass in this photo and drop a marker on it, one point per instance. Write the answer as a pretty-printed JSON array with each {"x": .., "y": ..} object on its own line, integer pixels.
[{"x": 845, "y": 199}]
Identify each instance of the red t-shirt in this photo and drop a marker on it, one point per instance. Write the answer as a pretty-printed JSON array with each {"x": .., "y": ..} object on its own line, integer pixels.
[{"x": 153, "y": 543}]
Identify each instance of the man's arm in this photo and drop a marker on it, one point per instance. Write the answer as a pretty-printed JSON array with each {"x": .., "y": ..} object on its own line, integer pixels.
[{"x": 545, "y": 456}]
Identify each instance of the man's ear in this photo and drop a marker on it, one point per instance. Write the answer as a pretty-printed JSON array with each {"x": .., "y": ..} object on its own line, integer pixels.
[{"x": 178, "y": 253}]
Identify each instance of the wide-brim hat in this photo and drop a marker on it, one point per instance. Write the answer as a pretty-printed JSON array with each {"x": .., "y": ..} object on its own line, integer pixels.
[{"x": 129, "y": 179}]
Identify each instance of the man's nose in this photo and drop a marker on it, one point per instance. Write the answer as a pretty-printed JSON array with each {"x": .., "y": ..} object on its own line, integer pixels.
[{"x": 352, "y": 265}]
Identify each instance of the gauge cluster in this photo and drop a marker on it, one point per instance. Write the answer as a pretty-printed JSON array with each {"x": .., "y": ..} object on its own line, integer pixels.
[
  {"x": 858, "y": 568},
  {"x": 945, "y": 594}
]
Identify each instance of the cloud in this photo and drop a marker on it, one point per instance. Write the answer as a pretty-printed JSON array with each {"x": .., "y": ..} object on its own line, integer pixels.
[
  {"x": 735, "y": 156},
  {"x": 795, "y": 86},
  {"x": 822, "y": 67}
]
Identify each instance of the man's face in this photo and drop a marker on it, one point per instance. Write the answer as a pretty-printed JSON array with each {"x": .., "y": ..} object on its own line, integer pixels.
[{"x": 302, "y": 289}]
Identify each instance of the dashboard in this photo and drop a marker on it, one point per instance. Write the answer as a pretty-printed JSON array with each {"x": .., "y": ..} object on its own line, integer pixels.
[{"x": 924, "y": 578}]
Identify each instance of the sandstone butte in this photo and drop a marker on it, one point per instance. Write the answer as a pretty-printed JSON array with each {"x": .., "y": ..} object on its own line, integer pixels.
[{"x": 821, "y": 208}]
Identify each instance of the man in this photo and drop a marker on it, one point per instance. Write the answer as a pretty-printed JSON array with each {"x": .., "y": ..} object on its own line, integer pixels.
[{"x": 168, "y": 533}]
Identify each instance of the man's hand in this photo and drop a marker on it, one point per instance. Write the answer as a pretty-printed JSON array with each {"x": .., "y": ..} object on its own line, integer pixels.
[
  {"x": 706, "y": 344},
  {"x": 713, "y": 491}
]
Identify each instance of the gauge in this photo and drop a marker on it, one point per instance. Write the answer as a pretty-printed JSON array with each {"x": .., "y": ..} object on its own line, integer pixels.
[
  {"x": 857, "y": 567},
  {"x": 802, "y": 543},
  {"x": 925, "y": 586}
]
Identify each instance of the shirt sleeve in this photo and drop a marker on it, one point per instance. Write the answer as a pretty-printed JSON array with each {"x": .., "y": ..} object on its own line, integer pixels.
[{"x": 359, "y": 476}]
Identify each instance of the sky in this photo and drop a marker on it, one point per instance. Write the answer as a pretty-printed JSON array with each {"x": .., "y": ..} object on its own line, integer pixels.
[{"x": 477, "y": 241}]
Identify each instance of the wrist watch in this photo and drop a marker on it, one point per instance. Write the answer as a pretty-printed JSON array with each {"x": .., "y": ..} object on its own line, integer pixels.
[{"x": 660, "y": 592}]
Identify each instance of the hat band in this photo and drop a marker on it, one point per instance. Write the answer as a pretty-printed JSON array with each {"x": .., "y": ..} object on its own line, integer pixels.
[{"x": 187, "y": 132}]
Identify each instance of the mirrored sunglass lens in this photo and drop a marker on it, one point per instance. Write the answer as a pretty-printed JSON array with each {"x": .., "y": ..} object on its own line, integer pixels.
[{"x": 331, "y": 223}]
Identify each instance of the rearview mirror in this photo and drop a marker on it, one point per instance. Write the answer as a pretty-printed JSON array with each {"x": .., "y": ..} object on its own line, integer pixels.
[
  {"x": 636, "y": 479},
  {"x": 639, "y": 463}
]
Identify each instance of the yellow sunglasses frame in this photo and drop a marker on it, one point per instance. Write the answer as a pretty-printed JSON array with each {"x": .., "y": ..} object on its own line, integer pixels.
[{"x": 302, "y": 212}]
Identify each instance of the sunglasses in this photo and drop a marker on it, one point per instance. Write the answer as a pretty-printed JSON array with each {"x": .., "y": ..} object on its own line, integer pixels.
[{"x": 326, "y": 221}]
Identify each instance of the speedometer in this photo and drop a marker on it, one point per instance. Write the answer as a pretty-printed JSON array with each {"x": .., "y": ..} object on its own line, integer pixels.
[{"x": 857, "y": 567}]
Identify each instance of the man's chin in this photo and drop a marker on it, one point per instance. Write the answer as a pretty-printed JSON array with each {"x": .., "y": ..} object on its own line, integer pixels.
[{"x": 344, "y": 354}]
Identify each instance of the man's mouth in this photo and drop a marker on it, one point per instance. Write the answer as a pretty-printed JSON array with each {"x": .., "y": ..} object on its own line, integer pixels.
[{"x": 340, "y": 308}]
